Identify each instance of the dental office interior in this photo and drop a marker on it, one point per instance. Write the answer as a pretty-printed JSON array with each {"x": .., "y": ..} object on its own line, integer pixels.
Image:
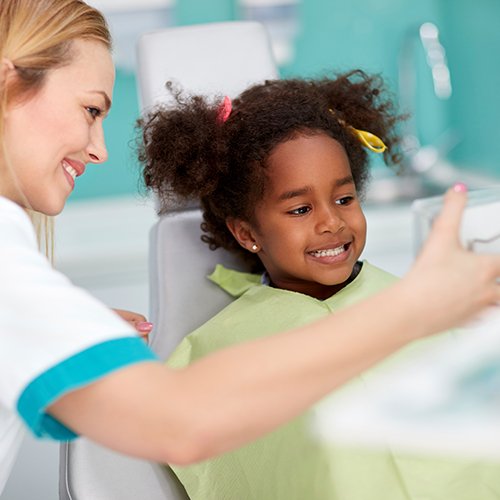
[{"x": 439, "y": 58}]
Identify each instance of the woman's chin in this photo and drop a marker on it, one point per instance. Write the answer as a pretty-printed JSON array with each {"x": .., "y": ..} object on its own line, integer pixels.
[{"x": 50, "y": 209}]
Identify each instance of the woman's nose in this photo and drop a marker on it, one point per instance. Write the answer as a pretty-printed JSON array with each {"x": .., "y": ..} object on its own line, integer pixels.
[{"x": 96, "y": 149}]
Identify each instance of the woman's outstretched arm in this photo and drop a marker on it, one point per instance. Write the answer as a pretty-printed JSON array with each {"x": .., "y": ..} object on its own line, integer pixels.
[{"x": 237, "y": 394}]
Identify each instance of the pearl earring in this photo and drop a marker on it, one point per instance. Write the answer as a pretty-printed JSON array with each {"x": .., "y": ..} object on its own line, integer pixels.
[{"x": 255, "y": 247}]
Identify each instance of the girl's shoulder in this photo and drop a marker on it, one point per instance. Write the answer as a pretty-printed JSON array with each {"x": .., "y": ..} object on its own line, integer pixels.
[
  {"x": 234, "y": 282},
  {"x": 370, "y": 280},
  {"x": 376, "y": 274}
]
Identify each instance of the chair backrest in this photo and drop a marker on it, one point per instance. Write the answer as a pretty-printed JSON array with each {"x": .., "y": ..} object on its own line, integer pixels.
[
  {"x": 181, "y": 297},
  {"x": 88, "y": 471},
  {"x": 211, "y": 59}
]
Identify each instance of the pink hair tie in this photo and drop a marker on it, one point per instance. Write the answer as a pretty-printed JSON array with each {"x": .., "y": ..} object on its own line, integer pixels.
[{"x": 225, "y": 109}]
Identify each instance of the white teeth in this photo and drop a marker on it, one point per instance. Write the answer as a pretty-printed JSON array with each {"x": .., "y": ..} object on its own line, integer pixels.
[
  {"x": 332, "y": 252},
  {"x": 71, "y": 171}
]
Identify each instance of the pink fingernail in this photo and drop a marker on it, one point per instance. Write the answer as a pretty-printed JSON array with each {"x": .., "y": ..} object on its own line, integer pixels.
[
  {"x": 460, "y": 187},
  {"x": 144, "y": 326}
]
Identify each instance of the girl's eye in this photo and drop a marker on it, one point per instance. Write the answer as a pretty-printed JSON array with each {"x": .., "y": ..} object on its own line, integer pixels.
[
  {"x": 344, "y": 200},
  {"x": 94, "y": 112},
  {"x": 300, "y": 211}
]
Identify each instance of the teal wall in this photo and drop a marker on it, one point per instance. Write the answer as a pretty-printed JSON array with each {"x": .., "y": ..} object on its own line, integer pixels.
[
  {"x": 194, "y": 11},
  {"x": 473, "y": 33},
  {"x": 346, "y": 34},
  {"x": 368, "y": 34}
]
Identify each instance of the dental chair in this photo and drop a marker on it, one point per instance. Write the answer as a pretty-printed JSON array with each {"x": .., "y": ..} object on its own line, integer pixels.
[{"x": 212, "y": 59}]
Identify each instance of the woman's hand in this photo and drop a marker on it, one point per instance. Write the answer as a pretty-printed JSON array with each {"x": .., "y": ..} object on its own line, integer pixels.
[
  {"x": 459, "y": 281},
  {"x": 138, "y": 321}
]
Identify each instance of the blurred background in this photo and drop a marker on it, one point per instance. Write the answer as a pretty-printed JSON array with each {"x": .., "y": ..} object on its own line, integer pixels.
[{"x": 439, "y": 58}]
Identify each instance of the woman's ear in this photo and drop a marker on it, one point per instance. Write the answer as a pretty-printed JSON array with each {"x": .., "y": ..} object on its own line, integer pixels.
[
  {"x": 5, "y": 69},
  {"x": 243, "y": 234}
]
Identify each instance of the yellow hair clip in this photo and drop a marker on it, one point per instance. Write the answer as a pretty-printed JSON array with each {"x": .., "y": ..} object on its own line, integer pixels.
[{"x": 369, "y": 140}]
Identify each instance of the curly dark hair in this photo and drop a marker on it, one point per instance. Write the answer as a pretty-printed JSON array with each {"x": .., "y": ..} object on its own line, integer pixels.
[{"x": 187, "y": 152}]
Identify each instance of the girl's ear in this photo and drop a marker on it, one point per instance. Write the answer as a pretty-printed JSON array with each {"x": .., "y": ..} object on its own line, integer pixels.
[{"x": 243, "y": 234}]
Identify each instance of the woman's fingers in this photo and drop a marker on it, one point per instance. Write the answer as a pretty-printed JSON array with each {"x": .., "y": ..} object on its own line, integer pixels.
[
  {"x": 138, "y": 321},
  {"x": 130, "y": 316},
  {"x": 446, "y": 227}
]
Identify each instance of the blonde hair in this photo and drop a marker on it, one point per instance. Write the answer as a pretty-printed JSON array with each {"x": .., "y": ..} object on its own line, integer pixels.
[{"x": 36, "y": 36}]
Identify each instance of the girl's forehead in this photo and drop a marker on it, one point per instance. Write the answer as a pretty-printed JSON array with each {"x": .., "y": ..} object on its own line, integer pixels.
[
  {"x": 315, "y": 160},
  {"x": 307, "y": 149}
]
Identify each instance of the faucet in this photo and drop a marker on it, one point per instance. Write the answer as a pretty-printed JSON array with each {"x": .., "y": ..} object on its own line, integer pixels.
[{"x": 418, "y": 158}]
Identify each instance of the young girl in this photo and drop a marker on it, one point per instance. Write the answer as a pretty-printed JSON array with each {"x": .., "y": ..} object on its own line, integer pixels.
[{"x": 279, "y": 174}]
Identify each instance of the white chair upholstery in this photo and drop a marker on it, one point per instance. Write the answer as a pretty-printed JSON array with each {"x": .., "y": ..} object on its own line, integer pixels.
[
  {"x": 181, "y": 297},
  {"x": 209, "y": 59},
  {"x": 212, "y": 59},
  {"x": 90, "y": 472}
]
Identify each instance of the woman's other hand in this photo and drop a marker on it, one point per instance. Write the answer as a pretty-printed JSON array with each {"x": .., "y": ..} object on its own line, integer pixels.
[{"x": 138, "y": 321}]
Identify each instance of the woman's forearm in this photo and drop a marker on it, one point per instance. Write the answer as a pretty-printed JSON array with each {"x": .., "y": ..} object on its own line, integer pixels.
[{"x": 237, "y": 394}]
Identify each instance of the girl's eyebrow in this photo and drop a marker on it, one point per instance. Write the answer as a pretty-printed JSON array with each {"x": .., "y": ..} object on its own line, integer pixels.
[
  {"x": 294, "y": 193},
  {"x": 344, "y": 181}
]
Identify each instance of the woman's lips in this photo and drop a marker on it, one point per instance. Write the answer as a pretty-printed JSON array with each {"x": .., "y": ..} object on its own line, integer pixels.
[{"x": 72, "y": 170}]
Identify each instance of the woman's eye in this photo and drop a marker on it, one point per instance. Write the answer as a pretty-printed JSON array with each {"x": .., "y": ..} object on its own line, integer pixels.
[
  {"x": 299, "y": 211},
  {"x": 345, "y": 200},
  {"x": 94, "y": 112}
]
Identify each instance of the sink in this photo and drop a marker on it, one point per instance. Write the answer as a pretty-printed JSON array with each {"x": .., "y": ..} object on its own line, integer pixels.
[{"x": 388, "y": 186}]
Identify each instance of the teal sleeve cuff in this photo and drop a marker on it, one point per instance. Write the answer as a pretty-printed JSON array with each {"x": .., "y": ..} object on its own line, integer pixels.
[{"x": 72, "y": 373}]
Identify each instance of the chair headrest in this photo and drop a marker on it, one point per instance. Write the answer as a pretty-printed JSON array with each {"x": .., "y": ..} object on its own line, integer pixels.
[{"x": 213, "y": 59}]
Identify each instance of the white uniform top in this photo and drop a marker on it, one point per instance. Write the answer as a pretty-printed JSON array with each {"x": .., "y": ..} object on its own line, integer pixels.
[{"x": 54, "y": 338}]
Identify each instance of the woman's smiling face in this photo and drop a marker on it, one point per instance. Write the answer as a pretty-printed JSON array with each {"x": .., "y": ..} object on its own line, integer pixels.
[
  {"x": 309, "y": 227},
  {"x": 51, "y": 136}
]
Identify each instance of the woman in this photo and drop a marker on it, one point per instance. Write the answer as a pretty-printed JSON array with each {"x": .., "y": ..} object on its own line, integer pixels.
[{"x": 70, "y": 366}]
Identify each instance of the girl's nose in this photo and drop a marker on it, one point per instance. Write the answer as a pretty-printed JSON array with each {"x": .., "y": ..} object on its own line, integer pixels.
[{"x": 329, "y": 221}]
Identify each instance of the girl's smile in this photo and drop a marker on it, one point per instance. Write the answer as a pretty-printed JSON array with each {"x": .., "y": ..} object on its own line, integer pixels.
[{"x": 331, "y": 254}]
